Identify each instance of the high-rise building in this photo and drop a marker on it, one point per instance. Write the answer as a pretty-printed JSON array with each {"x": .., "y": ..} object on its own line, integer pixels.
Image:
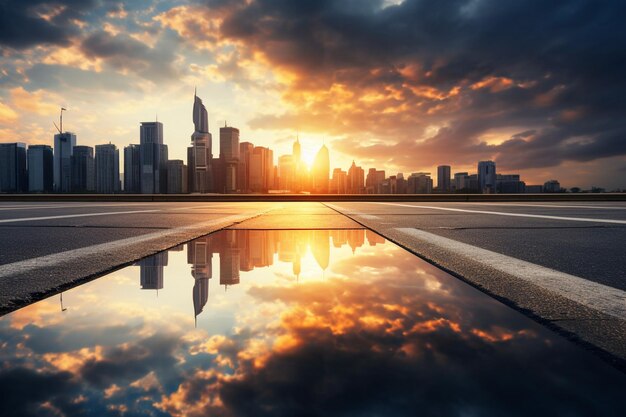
[
  {"x": 286, "y": 173},
  {"x": 443, "y": 179},
  {"x": 552, "y": 186},
  {"x": 339, "y": 182},
  {"x": 509, "y": 184},
  {"x": 243, "y": 172},
  {"x": 373, "y": 180},
  {"x": 401, "y": 184},
  {"x": 487, "y": 177},
  {"x": 83, "y": 170},
  {"x": 460, "y": 181},
  {"x": 107, "y": 169},
  {"x": 13, "y": 174},
  {"x": 153, "y": 158},
  {"x": 40, "y": 171},
  {"x": 320, "y": 172},
  {"x": 200, "y": 153},
  {"x": 260, "y": 170},
  {"x": 419, "y": 183},
  {"x": 132, "y": 169},
  {"x": 63, "y": 149},
  {"x": 176, "y": 177},
  {"x": 356, "y": 180},
  {"x": 229, "y": 156}
]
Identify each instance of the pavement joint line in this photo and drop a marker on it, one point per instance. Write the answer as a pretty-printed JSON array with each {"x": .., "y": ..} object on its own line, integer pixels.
[
  {"x": 599, "y": 297},
  {"x": 501, "y": 213},
  {"x": 46, "y": 261}
]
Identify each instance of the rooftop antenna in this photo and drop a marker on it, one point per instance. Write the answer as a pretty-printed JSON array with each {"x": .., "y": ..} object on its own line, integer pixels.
[{"x": 60, "y": 129}]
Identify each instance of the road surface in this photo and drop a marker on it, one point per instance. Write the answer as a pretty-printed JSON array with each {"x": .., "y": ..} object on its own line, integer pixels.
[{"x": 562, "y": 263}]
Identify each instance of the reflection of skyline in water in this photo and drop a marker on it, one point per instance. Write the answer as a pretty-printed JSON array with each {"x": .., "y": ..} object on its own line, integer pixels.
[
  {"x": 244, "y": 250},
  {"x": 384, "y": 333}
]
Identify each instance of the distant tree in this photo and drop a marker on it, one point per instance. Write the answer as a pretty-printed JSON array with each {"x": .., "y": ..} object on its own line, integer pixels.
[{"x": 575, "y": 189}]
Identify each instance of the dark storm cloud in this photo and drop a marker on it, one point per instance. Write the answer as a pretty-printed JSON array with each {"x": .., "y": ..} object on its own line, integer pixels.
[
  {"x": 24, "y": 24},
  {"x": 123, "y": 52},
  {"x": 556, "y": 67}
]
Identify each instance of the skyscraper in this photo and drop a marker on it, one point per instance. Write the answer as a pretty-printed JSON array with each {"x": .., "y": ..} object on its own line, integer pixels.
[
  {"x": 443, "y": 179},
  {"x": 132, "y": 169},
  {"x": 40, "y": 171},
  {"x": 339, "y": 182},
  {"x": 83, "y": 170},
  {"x": 107, "y": 169},
  {"x": 286, "y": 173},
  {"x": 356, "y": 179},
  {"x": 176, "y": 177},
  {"x": 13, "y": 176},
  {"x": 63, "y": 149},
  {"x": 199, "y": 154},
  {"x": 243, "y": 172},
  {"x": 153, "y": 158},
  {"x": 487, "y": 177},
  {"x": 229, "y": 156},
  {"x": 259, "y": 169},
  {"x": 321, "y": 171}
]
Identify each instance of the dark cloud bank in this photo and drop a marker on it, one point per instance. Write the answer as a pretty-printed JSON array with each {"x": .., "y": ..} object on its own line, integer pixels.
[{"x": 555, "y": 68}]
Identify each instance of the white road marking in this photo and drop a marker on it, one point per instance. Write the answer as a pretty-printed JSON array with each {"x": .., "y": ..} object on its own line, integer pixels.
[
  {"x": 55, "y": 259},
  {"x": 551, "y": 206},
  {"x": 70, "y": 206},
  {"x": 502, "y": 213},
  {"x": 603, "y": 298},
  {"x": 67, "y": 216}
]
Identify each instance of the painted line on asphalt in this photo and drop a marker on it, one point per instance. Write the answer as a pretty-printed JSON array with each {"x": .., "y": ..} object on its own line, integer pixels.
[
  {"x": 69, "y": 216},
  {"x": 551, "y": 206},
  {"x": 599, "y": 297},
  {"x": 71, "y": 206},
  {"x": 502, "y": 213},
  {"x": 56, "y": 259}
]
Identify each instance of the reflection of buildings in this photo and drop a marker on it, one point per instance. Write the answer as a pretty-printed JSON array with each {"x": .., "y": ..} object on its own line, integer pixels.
[
  {"x": 151, "y": 271},
  {"x": 244, "y": 250}
]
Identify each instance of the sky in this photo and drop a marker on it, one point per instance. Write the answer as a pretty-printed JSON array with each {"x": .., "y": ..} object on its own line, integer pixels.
[{"x": 537, "y": 86}]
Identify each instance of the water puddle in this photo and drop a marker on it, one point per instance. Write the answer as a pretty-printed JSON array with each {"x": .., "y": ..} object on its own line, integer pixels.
[{"x": 291, "y": 323}]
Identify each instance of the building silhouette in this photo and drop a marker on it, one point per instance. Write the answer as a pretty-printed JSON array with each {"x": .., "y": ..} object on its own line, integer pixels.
[
  {"x": 83, "y": 170},
  {"x": 107, "y": 165},
  {"x": 152, "y": 158},
  {"x": 176, "y": 177},
  {"x": 229, "y": 158},
  {"x": 132, "y": 169},
  {"x": 320, "y": 171},
  {"x": 200, "y": 153},
  {"x": 40, "y": 168},
  {"x": 443, "y": 179},
  {"x": 13, "y": 173},
  {"x": 243, "y": 172},
  {"x": 64, "y": 144},
  {"x": 487, "y": 177}
]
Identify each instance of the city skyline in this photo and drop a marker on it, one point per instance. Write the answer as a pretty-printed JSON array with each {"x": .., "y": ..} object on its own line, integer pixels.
[
  {"x": 382, "y": 97},
  {"x": 239, "y": 167}
]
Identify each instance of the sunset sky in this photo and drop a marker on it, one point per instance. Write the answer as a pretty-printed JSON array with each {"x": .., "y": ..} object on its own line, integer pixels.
[{"x": 537, "y": 86}]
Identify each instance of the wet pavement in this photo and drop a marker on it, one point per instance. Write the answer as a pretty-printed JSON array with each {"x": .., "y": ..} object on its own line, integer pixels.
[{"x": 292, "y": 323}]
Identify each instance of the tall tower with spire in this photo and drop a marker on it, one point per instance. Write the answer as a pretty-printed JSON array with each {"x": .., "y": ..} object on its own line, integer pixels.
[{"x": 199, "y": 154}]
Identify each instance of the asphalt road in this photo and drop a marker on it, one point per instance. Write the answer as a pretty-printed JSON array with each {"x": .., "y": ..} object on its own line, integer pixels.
[{"x": 564, "y": 264}]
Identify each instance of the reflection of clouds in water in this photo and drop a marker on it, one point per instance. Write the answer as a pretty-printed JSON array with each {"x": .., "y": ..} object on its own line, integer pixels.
[{"x": 380, "y": 335}]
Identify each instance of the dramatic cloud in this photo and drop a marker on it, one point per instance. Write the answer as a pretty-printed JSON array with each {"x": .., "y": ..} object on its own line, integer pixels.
[
  {"x": 425, "y": 81},
  {"x": 400, "y": 85}
]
